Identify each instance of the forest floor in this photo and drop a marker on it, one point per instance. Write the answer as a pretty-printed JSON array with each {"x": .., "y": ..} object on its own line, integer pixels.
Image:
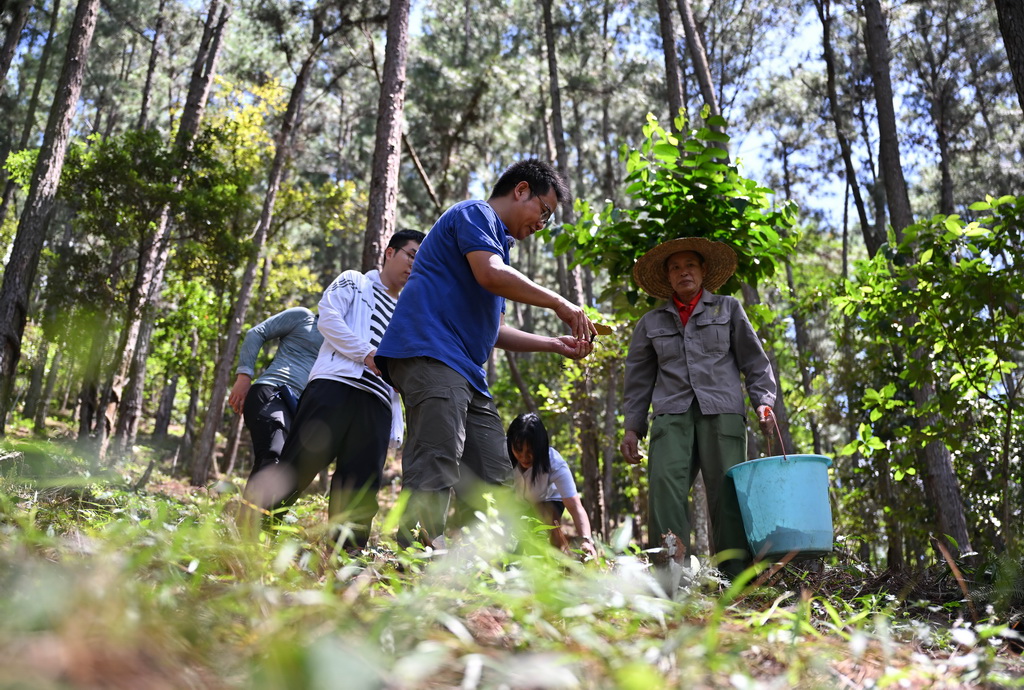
[{"x": 106, "y": 585}]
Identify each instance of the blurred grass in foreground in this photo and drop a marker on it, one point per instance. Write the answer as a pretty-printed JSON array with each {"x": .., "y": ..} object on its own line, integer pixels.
[{"x": 101, "y": 586}]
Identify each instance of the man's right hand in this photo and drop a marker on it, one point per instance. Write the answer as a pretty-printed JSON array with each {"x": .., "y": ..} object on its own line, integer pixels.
[
  {"x": 630, "y": 448},
  {"x": 238, "y": 392},
  {"x": 574, "y": 316}
]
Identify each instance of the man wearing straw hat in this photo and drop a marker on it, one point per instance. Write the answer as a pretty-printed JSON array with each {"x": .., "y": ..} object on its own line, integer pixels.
[{"x": 684, "y": 365}]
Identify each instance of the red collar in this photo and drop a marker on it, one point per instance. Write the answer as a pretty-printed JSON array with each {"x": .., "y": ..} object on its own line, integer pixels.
[{"x": 686, "y": 309}]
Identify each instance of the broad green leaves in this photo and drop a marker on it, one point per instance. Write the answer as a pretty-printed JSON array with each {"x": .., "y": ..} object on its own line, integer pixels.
[{"x": 682, "y": 185}]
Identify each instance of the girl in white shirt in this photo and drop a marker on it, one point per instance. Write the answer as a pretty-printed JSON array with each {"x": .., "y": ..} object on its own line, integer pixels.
[{"x": 544, "y": 479}]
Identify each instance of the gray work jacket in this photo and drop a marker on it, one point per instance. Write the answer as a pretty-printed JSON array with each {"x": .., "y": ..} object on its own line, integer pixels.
[{"x": 667, "y": 365}]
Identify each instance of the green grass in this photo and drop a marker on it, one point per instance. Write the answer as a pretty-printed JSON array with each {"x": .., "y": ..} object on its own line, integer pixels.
[{"x": 101, "y": 586}]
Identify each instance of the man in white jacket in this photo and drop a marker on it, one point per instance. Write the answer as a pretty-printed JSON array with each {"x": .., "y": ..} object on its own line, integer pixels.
[{"x": 347, "y": 412}]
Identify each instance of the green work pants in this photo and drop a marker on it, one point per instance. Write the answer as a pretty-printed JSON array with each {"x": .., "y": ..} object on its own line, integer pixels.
[{"x": 682, "y": 444}]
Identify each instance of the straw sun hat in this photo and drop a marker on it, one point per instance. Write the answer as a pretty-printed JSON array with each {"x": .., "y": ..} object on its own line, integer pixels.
[{"x": 650, "y": 275}]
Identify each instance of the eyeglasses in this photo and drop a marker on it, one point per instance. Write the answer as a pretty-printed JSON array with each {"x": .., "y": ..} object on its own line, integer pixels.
[
  {"x": 411, "y": 255},
  {"x": 545, "y": 217}
]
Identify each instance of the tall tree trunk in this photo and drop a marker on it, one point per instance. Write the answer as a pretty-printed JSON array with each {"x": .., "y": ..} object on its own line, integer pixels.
[
  {"x": 939, "y": 92},
  {"x": 803, "y": 349},
  {"x": 285, "y": 142},
  {"x": 19, "y": 276},
  {"x": 804, "y": 356},
  {"x": 877, "y": 45},
  {"x": 583, "y": 412},
  {"x": 19, "y": 15},
  {"x": 43, "y": 407},
  {"x": 871, "y": 238},
  {"x": 33, "y": 104},
  {"x": 35, "y": 387},
  {"x": 1011, "y": 26},
  {"x": 939, "y": 478},
  {"x": 128, "y": 381},
  {"x": 611, "y": 454},
  {"x": 387, "y": 150},
  {"x": 230, "y": 457},
  {"x": 699, "y": 56},
  {"x": 673, "y": 82},
  {"x": 89, "y": 397},
  {"x": 154, "y": 53},
  {"x": 195, "y": 377},
  {"x": 165, "y": 409}
]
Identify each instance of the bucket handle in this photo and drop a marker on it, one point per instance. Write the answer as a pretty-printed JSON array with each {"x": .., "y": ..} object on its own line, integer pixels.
[{"x": 778, "y": 432}]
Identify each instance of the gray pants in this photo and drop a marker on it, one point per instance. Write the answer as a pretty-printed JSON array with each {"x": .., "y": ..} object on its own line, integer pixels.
[{"x": 455, "y": 439}]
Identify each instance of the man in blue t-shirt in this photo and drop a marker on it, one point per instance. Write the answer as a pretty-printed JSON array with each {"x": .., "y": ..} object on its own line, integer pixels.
[{"x": 450, "y": 316}]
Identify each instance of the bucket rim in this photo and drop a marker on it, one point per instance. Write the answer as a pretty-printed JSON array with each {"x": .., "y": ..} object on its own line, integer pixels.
[{"x": 825, "y": 460}]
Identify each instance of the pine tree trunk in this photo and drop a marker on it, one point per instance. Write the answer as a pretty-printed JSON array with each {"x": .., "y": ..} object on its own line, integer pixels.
[
  {"x": 30, "y": 117},
  {"x": 871, "y": 239},
  {"x": 188, "y": 438},
  {"x": 89, "y": 398},
  {"x": 154, "y": 52},
  {"x": 1011, "y": 26},
  {"x": 699, "y": 56},
  {"x": 165, "y": 409},
  {"x": 611, "y": 452},
  {"x": 35, "y": 387},
  {"x": 19, "y": 16},
  {"x": 230, "y": 457},
  {"x": 877, "y": 45},
  {"x": 939, "y": 478},
  {"x": 128, "y": 380},
  {"x": 583, "y": 414},
  {"x": 285, "y": 144},
  {"x": 387, "y": 150},
  {"x": 43, "y": 407},
  {"x": 19, "y": 275},
  {"x": 673, "y": 82}
]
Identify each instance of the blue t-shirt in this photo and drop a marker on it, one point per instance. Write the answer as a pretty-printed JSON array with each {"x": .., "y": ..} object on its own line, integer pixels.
[{"x": 443, "y": 312}]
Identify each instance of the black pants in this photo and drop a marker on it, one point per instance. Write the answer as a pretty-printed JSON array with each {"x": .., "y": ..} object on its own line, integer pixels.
[
  {"x": 268, "y": 418},
  {"x": 338, "y": 422}
]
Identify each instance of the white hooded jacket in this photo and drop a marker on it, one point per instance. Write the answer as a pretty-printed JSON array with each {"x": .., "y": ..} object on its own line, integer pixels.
[{"x": 345, "y": 311}]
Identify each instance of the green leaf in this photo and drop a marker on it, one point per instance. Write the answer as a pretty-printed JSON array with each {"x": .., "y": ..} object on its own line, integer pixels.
[
  {"x": 666, "y": 151},
  {"x": 926, "y": 256}
]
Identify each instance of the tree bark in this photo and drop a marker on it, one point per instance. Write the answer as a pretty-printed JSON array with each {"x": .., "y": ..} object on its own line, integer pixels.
[
  {"x": 127, "y": 382},
  {"x": 154, "y": 52},
  {"x": 215, "y": 410},
  {"x": 35, "y": 387},
  {"x": 524, "y": 390},
  {"x": 89, "y": 397},
  {"x": 699, "y": 56},
  {"x": 939, "y": 478},
  {"x": 673, "y": 82},
  {"x": 19, "y": 274},
  {"x": 19, "y": 16},
  {"x": 387, "y": 150},
  {"x": 871, "y": 238},
  {"x": 43, "y": 406},
  {"x": 877, "y": 44},
  {"x": 1011, "y": 26},
  {"x": 33, "y": 104},
  {"x": 583, "y": 413},
  {"x": 165, "y": 409}
]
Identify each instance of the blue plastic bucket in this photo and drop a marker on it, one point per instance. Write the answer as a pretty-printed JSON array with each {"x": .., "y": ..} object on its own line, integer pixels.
[{"x": 784, "y": 503}]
